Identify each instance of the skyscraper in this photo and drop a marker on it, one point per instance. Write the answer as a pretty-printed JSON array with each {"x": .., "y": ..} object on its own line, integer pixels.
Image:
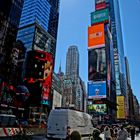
[
  {"x": 38, "y": 32},
  {"x": 116, "y": 29},
  {"x": 10, "y": 12},
  {"x": 72, "y": 62},
  {"x": 107, "y": 16},
  {"x": 38, "y": 25}
]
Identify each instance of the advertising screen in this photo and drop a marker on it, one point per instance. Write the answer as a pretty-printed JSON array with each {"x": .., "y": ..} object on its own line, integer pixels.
[
  {"x": 100, "y": 6},
  {"x": 97, "y": 69},
  {"x": 46, "y": 86},
  {"x": 96, "y": 36},
  {"x": 96, "y": 90},
  {"x": 100, "y": 108},
  {"x": 120, "y": 107},
  {"x": 99, "y": 16}
]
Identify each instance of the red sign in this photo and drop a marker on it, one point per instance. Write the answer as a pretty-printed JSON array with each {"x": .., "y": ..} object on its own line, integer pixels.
[{"x": 100, "y": 6}]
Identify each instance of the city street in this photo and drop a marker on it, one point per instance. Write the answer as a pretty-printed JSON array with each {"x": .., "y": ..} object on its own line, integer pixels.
[
  {"x": 43, "y": 138},
  {"x": 129, "y": 138}
]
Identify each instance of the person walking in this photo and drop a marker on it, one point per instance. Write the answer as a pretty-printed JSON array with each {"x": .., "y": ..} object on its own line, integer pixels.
[
  {"x": 132, "y": 132},
  {"x": 75, "y": 135},
  {"x": 122, "y": 134},
  {"x": 107, "y": 133}
]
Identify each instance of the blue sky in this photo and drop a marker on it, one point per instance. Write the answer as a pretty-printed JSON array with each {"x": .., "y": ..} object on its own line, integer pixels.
[{"x": 72, "y": 30}]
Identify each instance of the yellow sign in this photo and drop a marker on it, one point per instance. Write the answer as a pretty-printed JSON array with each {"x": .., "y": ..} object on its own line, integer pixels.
[{"x": 120, "y": 107}]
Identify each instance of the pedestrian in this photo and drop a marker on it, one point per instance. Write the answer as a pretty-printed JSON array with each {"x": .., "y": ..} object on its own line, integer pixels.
[
  {"x": 75, "y": 135},
  {"x": 137, "y": 131},
  {"x": 96, "y": 134},
  {"x": 107, "y": 133},
  {"x": 115, "y": 130},
  {"x": 122, "y": 134},
  {"x": 132, "y": 132}
]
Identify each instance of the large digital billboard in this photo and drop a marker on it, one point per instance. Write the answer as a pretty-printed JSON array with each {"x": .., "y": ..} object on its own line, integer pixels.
[
  {"x": 100, "y": 16},
  {"x": 97, "y": 90},
  {"x": 100, "y": 108},
  {"x": 120, "y": 107},
  {"x": 96, "y": 36},
  {"x": 47, "y": 83},
  {"x": 97, "y": 68}
]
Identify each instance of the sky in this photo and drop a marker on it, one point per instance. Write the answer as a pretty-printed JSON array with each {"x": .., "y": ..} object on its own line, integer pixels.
[{"x": 74, "y": 20}]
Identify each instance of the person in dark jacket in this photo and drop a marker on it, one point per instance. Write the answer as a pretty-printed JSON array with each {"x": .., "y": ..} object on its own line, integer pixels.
[{"x": 132, "y": 132}]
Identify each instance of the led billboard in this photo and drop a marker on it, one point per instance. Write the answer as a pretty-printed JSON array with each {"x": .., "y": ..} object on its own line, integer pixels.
[
  {"x": 100, "y": 16},
  {"x": 120, "y": 107},
  {"x": 100, "y": 108},
  {"x": 47, "y": 83},
  {"x": 97, "y": 68},
  {"x": 100, "y": 6},
  {"x": 97, "y": 90},
  {"x": 96, "y": 36}
]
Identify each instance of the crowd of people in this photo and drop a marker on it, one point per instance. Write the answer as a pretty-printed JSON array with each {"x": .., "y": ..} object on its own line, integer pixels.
[
  {"x": 120, "y": 132},
  {"x": 111, "y": 133}
]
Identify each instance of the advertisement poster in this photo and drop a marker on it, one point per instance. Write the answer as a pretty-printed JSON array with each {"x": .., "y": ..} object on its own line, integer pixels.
[
  {"x": 97, "y": 68},
  {"x": 100, "y": 16},
  {"x": 100, "y": 6},
  {"x": 120, "y": 107},
  {"x": 97, "y": 90},
  {"x": 47, "y": 84},
  {"x": 96, "y": 36},
  {"x": 100, "y": 108}
]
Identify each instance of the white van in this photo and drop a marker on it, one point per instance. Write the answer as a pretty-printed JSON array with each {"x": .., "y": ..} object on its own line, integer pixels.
[{"x": 60, "y": 120}]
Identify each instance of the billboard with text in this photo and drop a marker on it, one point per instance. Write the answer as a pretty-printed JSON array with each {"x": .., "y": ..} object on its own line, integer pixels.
[
  {"x": 120, "y": 107},
  {"x": 96, "y": 36},
  {"x": 100, "y": 16},
  {"x": 100, "y": 6},
  {"x": 97, "y": 90}
]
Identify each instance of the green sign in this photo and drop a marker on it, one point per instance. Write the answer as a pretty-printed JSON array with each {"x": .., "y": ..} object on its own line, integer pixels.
[{"x": 99, "y": 16}]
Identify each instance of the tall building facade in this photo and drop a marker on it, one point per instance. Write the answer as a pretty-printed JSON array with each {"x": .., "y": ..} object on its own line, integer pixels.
[
  {"x": 101, "y": 64},
  {"x": 116, "y": 29},
  {"x": 72, "y": 62},
  {"x": 38, "y": 32},
  {"x": 74, "y": 90},
  {"x": 105, "y": 34},
  {"x": 10, "y": 12}
]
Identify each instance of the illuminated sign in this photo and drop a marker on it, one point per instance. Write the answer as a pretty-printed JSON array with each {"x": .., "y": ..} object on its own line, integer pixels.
[
  {"x": 120, "y": 107},
  {"x": 96, "y": 36},
  {"x": 97, "y": 68},
  {"x": 96, "y": 90},
  {"x": 100, "y": 16},
  {"x": 100, "y": 6},
  {"x": 100, "y": 108}
]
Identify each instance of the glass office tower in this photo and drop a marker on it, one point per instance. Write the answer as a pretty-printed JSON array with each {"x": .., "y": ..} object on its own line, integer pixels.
[
  {"x": 39, "y": 15},
  {"x": 120, "y": 72},
  {"x": 10, "y": 12},
  {"x": 38, "y": 32}
]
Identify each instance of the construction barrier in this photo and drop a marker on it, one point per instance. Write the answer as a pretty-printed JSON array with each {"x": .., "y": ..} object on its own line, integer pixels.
[{"x": 6, "y": 132}]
